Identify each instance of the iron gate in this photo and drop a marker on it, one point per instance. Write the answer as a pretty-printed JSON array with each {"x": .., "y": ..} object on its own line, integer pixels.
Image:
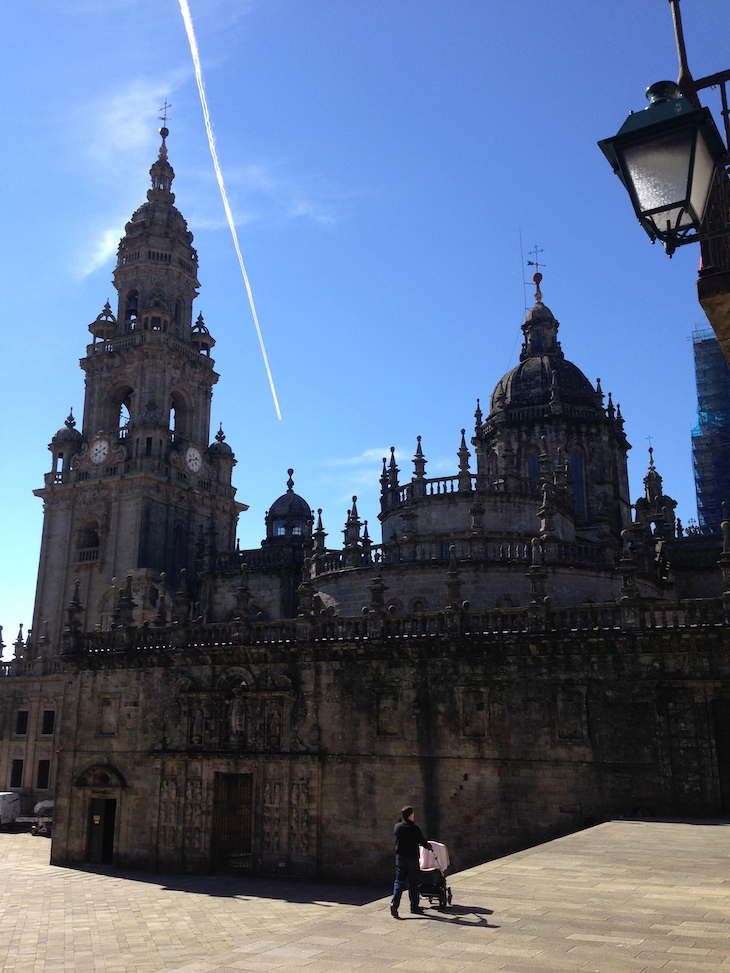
[{"x": 232, "y": 823}]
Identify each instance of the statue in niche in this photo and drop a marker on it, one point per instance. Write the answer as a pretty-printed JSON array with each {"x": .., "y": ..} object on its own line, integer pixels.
[
  {"x": 275, "y": 729},
  {"x": 173, "y": 727},
  {"x": 196, "y": 733},
  {"x": 237, "y": 716}
]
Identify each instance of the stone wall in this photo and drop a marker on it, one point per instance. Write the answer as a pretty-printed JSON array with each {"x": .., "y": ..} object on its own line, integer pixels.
[{"x": 500, "y": 739}]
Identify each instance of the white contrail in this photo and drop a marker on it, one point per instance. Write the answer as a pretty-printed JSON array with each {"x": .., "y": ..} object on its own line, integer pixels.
[{"x": 187, "y": 19}]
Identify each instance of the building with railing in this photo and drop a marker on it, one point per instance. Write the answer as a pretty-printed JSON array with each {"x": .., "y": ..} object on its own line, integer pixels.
[{"x": 523, "y": 650}]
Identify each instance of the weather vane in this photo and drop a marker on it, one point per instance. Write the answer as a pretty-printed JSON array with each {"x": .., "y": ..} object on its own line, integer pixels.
[
  {"x": 535, "y": 263},
  {"x": 537, "y": 276}
]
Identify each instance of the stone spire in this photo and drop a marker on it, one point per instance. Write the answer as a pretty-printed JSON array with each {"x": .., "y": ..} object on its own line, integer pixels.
[
  {"x": 418, "y": 483},
  {"x": 319, "y": 534},
  {"x": 464, "y": 474},
  {"x": 157, "y": 266},
  {"x": 162, "y": 173},
  {"x": 655, "y": 508}
]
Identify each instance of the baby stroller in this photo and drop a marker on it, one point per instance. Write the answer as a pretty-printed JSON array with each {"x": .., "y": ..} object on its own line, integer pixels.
[{"x": 434, "y": 865}]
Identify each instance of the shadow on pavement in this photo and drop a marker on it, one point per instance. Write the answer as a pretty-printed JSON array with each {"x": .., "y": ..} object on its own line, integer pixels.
[
  {"x": 234, "y": 887},
  {"x": 459, "y": 915}
]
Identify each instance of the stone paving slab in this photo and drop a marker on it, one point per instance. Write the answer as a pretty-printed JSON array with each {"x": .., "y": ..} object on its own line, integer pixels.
[
  {"x": 54, "y": 920},
  {"x": 623, "y": 897}
]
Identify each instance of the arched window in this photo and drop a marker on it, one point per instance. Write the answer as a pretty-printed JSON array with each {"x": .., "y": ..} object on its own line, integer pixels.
[
  {"x": 532, "y": 468},
  {"x": 578, "y": 478},
  {"x": 118, "y": 412},
  {"x": 87, "y": 540},
  {"x": 180, "y": 414},
  {"x": 131, "y": 308},
  {"x": 124, "y": 411}
]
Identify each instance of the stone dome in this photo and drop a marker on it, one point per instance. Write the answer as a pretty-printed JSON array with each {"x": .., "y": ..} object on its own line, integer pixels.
[
  {"x": 68, "y": 433},
  {"x": 220, "y": 447},
  {"x": 543, "y": 375},
  {"x": 289, "y": 520},
  {"x": 536, "y": 380},
  {"x": 290, "y": 505}
]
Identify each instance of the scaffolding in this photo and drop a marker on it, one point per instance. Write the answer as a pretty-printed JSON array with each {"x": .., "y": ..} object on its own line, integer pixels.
[{"x": 711, "y": 435}]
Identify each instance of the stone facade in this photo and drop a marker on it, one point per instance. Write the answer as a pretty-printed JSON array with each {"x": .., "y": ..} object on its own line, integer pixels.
[
  {"x": 518, "y": 655},
  {"x": 504, "y": 728}
]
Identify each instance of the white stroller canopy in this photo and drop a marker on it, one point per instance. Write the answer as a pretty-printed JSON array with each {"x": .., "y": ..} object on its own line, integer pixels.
[{"x": 438, "y": 858}]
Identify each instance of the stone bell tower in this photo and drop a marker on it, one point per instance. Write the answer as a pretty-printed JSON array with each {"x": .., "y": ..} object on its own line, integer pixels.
[{"x": 138, "y": 491}]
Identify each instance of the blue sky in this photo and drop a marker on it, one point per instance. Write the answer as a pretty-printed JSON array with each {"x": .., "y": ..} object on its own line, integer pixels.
[{"x": 384, "y": 160}]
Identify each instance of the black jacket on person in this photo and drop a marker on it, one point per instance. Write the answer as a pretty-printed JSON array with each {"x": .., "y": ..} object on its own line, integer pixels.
[{"x": 408, "y": 836}]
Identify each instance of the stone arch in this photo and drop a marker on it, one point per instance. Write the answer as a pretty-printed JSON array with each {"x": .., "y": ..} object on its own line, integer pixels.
[
  {"x": 101, "y": 775},
  {"x": 234, "y": 677},
  {"x": 181, "y": 413},
  {"x": 418, "y": 605},
  {"x": 131, "y": 309},
  {"x": 119, "y": 406}
]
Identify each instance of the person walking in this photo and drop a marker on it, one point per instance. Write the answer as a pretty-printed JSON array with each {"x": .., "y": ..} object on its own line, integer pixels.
[{"x": 408, "y": 836}]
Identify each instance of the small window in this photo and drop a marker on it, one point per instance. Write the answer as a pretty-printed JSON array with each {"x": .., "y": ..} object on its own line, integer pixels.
[
  {"x": 21, "y": 722},
  {"x": 44, "y": 774},
  {"x": 49, "y": 722},
  {"x": 279, "y": 528},
  {"x": 16, "y": 773}
]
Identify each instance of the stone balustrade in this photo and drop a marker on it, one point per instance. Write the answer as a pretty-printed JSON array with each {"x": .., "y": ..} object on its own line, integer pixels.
[{"x": 633, "y": 615}]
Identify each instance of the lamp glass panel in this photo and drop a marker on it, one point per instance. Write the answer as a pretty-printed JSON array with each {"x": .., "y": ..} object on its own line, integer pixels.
[
  {"x": 702, "y": 177},
  {"x": 667, "y": 220},
  {"x": 659, "y": 170}
]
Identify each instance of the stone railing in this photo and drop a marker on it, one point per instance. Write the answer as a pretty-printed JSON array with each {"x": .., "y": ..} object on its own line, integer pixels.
[
  {"x": 31, "y": 667},
  {"x": 135, "y": 338},
  {"x": 468, "y": 551},
  {"x": 630, "y": 615},
  {"x": 447, "y": 485}
]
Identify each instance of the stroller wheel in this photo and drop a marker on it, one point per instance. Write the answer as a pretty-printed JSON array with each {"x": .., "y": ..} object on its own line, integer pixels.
[
  {"x": 448, "y": 895},
  {"x": 442, "y": 900}
]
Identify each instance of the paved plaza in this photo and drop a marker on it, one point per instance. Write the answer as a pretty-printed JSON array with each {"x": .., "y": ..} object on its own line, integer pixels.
[{"x": 622, "y": 897}]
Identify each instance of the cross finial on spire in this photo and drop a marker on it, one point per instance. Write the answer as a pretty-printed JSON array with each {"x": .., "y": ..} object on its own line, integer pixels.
[
  {"x": 651, "y": 452},
  {"x": 163, "y": 116},
  {"x": 536, "y": 251}
]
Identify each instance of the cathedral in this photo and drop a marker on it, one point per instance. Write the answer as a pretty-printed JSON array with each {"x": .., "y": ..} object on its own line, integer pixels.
[{"x": 525, "y": 650}]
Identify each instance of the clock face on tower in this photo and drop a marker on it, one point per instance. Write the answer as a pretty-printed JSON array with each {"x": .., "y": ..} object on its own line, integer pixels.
[
  {"x": 193, "y": 459},
  {"x": 98, "y": 451}
]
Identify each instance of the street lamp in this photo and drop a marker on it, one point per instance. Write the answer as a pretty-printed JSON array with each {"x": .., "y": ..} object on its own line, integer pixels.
[{"x": 667, "y": 157}]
